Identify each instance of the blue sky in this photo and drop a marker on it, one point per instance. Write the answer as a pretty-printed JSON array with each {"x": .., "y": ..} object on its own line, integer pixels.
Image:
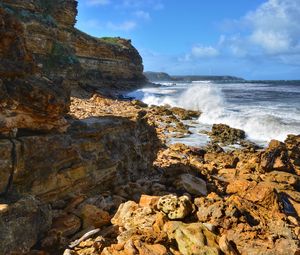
[{"x": 253, "y": 39}]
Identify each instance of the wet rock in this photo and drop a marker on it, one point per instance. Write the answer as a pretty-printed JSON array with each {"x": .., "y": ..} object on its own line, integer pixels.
[
  {"x": 225, "y": 134},
  {"x": 191, "y": 184},
  {"x": 184, "y": 114},
  {"x": 175, "y": 207}
]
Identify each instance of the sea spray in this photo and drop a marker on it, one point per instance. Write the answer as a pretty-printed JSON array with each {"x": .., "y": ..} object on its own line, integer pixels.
[{"x": 263, "y": 111}]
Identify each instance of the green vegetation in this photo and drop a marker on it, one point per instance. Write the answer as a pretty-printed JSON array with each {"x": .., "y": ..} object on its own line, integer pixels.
[{"x": 111, "y": 40}]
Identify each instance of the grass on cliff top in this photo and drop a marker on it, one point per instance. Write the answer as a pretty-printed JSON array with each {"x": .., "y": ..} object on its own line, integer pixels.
[{"x": 112, "y": 40}]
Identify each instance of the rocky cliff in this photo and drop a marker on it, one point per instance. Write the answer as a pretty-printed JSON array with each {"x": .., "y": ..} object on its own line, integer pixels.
[
  {"x": 47, "y": 152},
  {"x": 83, "y": 174},
  {"x": 60, "y": 50}
]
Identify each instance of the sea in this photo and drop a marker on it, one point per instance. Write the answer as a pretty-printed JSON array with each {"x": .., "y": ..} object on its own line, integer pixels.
[{"x": 265, "y": 110}]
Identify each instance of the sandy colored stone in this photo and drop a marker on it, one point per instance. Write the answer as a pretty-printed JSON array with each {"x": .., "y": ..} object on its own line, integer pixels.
[
  {"x": 175, "y": 207},
  {"x": 150, "y": 201}
]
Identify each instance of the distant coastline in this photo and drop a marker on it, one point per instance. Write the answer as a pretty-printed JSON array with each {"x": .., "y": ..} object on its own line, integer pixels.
[{"x": 162, "y": 76}]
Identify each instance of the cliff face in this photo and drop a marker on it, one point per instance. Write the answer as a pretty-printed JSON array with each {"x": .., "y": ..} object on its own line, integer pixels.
[
  {"x": 47, "y": 154},
  {"x": 61, "y": 50}
]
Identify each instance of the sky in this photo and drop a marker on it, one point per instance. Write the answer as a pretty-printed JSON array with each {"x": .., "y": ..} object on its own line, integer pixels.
[{"x": 252, "y": 39}]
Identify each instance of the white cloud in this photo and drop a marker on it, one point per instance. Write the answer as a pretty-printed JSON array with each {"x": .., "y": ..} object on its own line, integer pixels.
[
  {"x": 97, "y": 2},
  {"x": 275, "y": 26},
  {"x": 124, "y": 26},
  {"x": 142, "y": 14},
  {"x": 204, "y": 51}
]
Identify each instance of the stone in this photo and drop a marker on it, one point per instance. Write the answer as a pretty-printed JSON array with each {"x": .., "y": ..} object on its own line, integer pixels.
[
  {"x": 193, "y": 238},
  {"x": 191, "y": 184},
  {"x": 184, "y": 114},
  {"x": 48, "y": 103},
  {"x": 22, "y": 224},
  {"x": 4, "y": 208},
  {"x": 275, "y": 158},
  {"x": 66, "y": 225},
  {"x": 150, "y": 201},
  {"x": 225, "y": 134},
  {"x": 93, "y": 216},
  {"x": 135, "y": 247},
  {"x": 175, "y": 207},
  {"x": 131, "y": 216}
]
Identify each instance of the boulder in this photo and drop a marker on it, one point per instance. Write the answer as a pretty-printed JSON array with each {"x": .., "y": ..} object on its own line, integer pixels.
[
  {"x": 175, "y": 207},
  {"x": 275, "y": 158},
  {"x": 191, "y": 184},
  {"x": 225, "y": 134},
  {"x": 193, "y": 238}
]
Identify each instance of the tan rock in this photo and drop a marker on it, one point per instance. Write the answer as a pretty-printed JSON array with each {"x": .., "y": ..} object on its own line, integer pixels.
[
  {"x": 175, "y": 207},
  {"x": 192, "y": 238},
  {"x": 131, "y": 216},
  {"x": 150, "y": 201},
  {"x": 3, "y": 208}
]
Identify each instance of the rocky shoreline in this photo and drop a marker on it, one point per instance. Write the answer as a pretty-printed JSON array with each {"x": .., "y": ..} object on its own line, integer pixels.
[{"x": 85, "y": 173}]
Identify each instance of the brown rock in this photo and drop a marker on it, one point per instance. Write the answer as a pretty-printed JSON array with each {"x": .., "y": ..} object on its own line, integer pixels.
[
  {"x": 135, "y": 247},
  {"x": 48, "y": 103},
  {"x": 224, "y": 134},
  {"x": 93, "y": 216},
  {"x": 66, "y": 225},
  {"x": 275, "y": 158}
]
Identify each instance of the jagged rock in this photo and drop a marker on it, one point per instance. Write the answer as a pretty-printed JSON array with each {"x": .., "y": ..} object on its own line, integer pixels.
[
  {"x": 184, "y": 114},
  {"x": 22, "y": 224},
  {"x": 63, "y": 51},
  {"x": 225, "y": 134},
  {"x": 95, "y": 153},
  {"x": 193, "y": 238},
  {"x": 27, "y": 102},
  {"x": 275, "y": 158},
  {"x": 191, "y": 184},
  {"x": 175, "y": 207},
  {"x": 48, "y": 103}
]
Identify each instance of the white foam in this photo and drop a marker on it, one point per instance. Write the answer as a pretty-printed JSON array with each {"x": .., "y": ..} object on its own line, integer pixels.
[{"x": 260, "y": 121}]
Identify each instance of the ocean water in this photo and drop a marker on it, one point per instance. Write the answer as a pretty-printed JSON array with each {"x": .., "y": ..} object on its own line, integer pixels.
[{"x": 265, "y": 111}]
